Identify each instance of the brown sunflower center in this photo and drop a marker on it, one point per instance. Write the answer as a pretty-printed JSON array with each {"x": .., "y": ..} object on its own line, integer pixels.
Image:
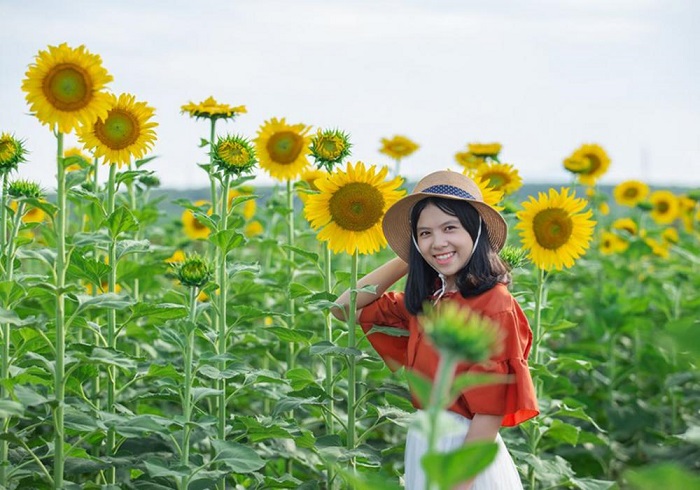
[
  {"x": 68, "y": 87},
  {"x": 552, "y": 227},
  {"x": 284, "y": 147},
  {"x": 496, "y": 180},
  {"x": 662, "y": 207},
  {"x": 631, "y": 192},
  {"x": 197, "y": 225},
  {"x": 595, "y": 162},
  {"x": 356, "y": 206},
  {"x": 120, "y": 130}
]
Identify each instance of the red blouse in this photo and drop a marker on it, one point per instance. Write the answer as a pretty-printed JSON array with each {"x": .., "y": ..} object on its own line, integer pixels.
[{"x": 516, "y": 401}]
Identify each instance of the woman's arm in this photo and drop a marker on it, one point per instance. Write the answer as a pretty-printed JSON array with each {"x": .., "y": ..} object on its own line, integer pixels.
[
  {"x": 382, "y": 277},
  {"x": 482, "y": 428}
]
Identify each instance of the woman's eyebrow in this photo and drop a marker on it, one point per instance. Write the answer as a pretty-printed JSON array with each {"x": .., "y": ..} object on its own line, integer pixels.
[{"x": 448, "y": 222}]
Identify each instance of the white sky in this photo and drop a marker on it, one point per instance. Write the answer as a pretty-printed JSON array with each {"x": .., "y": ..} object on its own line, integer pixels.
[{"x": 541, "y": 77}]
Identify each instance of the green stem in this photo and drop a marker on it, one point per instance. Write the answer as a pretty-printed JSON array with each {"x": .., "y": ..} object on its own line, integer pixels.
[
  {"x": 440, "y": 392},
  {"x": 290, "y": 269},
  {"x": 533, "y": 435},
  {"x": 328, "y": 279},
  {"x": 5, "y": 359},
  {"x": 59, "y": 368},
  {"x": 187, "y": 394},
  {"x": 352, "y": 389},
  {"x": 222, "y": 323},
  {"x": 111, "y": 324},
  {"x": 3, "y": 213}
]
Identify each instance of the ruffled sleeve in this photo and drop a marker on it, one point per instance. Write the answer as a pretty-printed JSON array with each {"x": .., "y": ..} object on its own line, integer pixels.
[
  {"x": 515, "y": 401},
  {"x": 387, "y": 311}
]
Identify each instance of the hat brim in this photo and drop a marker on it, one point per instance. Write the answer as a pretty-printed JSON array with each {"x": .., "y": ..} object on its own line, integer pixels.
[{"x": 397, "y": 226}]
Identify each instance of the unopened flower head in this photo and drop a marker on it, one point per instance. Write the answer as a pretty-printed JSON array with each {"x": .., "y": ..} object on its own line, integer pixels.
[
  {"x": 330, "y": 147},
  {"x": 461, "y": 333},
  {"x": 194, "y": 271},
  {"x": 12, "y": 153},
  {"x": 514, "y": 256},
  {"x": 235, "y": 155},
  {"x": 24, "y": 188}
]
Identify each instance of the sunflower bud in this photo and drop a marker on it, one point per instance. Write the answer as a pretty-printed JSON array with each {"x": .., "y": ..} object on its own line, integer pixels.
[
  {"x": 330, "y": 147},
  {"x": 234, "y": 155},
  {"x": 194, "y": 271},
  {"x": 461, "y": 333},
  {"x": 24, "y": 188},
  {"x": 514, "y": 256},
  {"x": 12, "y": 152}
]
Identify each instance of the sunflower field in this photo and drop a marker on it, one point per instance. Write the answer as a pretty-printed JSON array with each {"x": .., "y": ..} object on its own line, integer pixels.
[{"x": 146, "y": 350}]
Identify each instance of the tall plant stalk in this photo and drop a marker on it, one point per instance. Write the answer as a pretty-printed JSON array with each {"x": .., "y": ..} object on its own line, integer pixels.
[
  {"x": 111, "y": 322},
  {"x": 330, "y": 423},
  {"x": 534, "y": 434},
  {"x": 290, "y": 270},
  {"x": 5, "y": 353},
  {"x": 222, "y": 339},
  {"x": 60, "y": 342},
  {"x": 352, "y": 389},
  {"x": 187, "y": 389}
]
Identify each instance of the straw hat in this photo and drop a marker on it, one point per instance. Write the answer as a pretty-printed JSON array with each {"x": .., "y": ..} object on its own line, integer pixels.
[{"x": 449, "y": 185}]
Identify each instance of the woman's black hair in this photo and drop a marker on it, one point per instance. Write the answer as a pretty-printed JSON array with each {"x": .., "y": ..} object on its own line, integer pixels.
[{"x": 482, "y": 272}]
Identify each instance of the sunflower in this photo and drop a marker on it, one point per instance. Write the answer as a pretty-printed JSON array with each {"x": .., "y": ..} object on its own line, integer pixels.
[
  {"x": 193, "y": 228},
  {"x": 75, "y": 159},
  {"x": 555, "y": 228},
  {"x": 283, "y": 148},
  {"x": 177, "y": 256},
  {"x": 686, "y": 207},
  {"x": 350, "y": 206},
  {"x": 64, "y": 87},
  {"x": 254, "y": 228},
  {"x": 125, "y": 132},
  {"x": 595, "y": 159},
  {"x": 657, "y": 248},
  {"x": 211, "y": 109},
  {"x": 670, "y": 235},
  {"x": 665, "y": 207},
  {"x": 500, "y": 176},
  {"x": 103, "y": 288},
  {"x": 610, "y": 243},
  {"x": 485, "y": 150},
  {"x": 625, "y": 224},
  {"x": 309, "y": 177},
  {"x": 234, "y": 155},
  {"x": 398, "y": 147},
  {"x": 330, "y": 147},
  {"x": 468, "y": 160},
  {"x": 31, "y": 214},
  {"x": 604, "y": 208},
  {"x": 249, "y": 206},
  {"x": 490, "y": 195},
  {"x": 577, "y": 166},
  {"x": 630, "y": 192},
  {"x": 11, "y": 152}
]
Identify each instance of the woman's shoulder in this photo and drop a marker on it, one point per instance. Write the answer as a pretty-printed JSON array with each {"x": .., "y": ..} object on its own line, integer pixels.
[{"x": 496, "y": 300}]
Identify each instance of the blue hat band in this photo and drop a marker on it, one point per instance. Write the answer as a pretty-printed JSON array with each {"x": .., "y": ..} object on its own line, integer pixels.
[{"x": 448, "y": 190}]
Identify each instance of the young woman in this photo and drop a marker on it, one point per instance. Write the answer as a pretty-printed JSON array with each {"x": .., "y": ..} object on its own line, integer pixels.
[{"x": 447, "y": 241}]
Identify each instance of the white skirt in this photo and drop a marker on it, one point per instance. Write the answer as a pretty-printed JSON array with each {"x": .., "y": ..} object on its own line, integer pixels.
[{"x": 499, "y": 475}]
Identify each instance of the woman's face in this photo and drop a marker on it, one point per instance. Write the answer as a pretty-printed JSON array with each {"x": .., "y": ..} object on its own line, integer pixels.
[{"x": 443, "y": 242}]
